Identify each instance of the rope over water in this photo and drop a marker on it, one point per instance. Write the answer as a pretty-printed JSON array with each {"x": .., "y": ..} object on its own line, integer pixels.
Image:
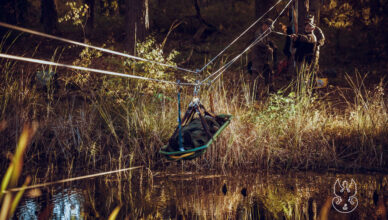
[
  {"x": 244, "y": 32},
  {"x": 217, "y": 73},
  {"x": 31, "y": 60},
  {"x": 257, "y": 40},
  {"x": 70, "y": 179},
  {"x": 90, "y": 46},
  {"x": 227, "y": 65}
]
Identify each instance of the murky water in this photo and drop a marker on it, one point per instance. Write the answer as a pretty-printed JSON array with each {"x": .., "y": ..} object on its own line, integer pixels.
[{"x": 225, "y": 196}]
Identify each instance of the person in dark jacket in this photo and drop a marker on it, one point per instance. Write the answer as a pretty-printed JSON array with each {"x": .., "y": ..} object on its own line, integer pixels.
[
  {"x": 305, "y": 45},
  {"x": 264, "y": 55}
]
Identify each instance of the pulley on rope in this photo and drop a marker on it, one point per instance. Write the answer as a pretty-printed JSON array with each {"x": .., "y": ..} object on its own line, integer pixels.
[{"x": 196, "y": 134}]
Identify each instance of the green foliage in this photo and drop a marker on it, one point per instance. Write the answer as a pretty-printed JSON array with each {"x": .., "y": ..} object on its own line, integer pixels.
[
  {"x": 86, "y": 57},
  {"x": 109, "y": 7},
  {"x": 77, "y": 14},
  {"x": 341, "y": 14},
  {"x": 151, "y": 50},
  {"x": 279, "y": 107}
]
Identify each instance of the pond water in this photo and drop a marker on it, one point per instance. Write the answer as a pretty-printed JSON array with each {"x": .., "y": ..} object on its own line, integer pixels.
[{"x": 174, "y": 195}]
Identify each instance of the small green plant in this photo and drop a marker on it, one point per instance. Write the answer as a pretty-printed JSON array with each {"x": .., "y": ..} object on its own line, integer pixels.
[
  {"x": 81, "y": 78},
  {"x": 151, "y": 50},
  {"x": 78, "y": 14},
  {"x": 279, "y": 107}
]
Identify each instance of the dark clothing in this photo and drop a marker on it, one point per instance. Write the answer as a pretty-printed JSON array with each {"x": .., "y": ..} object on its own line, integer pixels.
[
  {"x": 264, "y": 58},
  {"x": 320, "y": 36},
  {"x": 262, "y": 53},
  {"x": 287, "y": 47},
  {"x": 305, "y": 45},
  {"x": 320, "y": 42}
]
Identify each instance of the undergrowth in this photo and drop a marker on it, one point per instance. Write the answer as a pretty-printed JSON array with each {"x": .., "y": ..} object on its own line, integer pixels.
[{"x": 91, "y": 121}]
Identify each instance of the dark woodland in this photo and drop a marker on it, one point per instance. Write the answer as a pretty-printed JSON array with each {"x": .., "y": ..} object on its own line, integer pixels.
[{"x": 327, "y": 116}]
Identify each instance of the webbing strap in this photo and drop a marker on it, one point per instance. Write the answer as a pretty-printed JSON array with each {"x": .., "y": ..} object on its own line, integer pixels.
[{"x": 180, "y": 122}]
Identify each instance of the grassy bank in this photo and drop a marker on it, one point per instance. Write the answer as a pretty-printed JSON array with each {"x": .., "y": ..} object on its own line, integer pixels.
[{"x": 90, "y": 121}]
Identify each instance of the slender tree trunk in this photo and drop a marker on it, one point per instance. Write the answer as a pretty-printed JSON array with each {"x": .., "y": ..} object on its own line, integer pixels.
[
  {"x": 199, "y": 15},
  {"x": 303, "y": 10},
  {"x": 49, "y": 16},
  {"x": 90, "y": 22},
  {"x": 21, "y": 10},
  {"x": 315, "y": 6},
  {"x": 13, "y": 11},
  {"x": 122, "y": 7},
  {"x": 261, "y": 6},
  {"x": 137, "y": 23}
]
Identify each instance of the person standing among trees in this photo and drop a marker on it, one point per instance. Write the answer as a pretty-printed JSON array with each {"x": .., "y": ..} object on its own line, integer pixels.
[
  {"x": 320, "y": 42},
  {"x": 264, "y": 56},
  {"x": 305, "y": 45}
]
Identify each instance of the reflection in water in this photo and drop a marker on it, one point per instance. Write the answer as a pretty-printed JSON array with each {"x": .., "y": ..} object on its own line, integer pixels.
[
  {"x": 29, "y": 210},
  {"x": 194, "y": 196},
  {"x": 67, "y": 205}
]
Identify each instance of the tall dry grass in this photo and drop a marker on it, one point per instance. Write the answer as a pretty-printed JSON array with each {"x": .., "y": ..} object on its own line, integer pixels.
[
  {"x": 296, "y": 128},
  {"x": 10, "y": 200},
  {"x": 97, "y": 122}
]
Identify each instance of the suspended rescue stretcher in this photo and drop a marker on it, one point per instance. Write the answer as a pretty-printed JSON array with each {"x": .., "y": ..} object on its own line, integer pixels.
[
  {"x": 194, "y": 134},
  {"x": 186, "y": 149}
]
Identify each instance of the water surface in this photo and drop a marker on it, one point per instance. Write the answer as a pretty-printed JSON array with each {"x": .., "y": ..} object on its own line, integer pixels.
[{"x": 211, "y": 196}]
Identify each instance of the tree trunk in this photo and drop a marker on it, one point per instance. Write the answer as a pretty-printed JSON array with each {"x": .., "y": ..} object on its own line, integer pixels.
[
  {"x": 303, "y": 9},
  {"x": 137, "y": 23},
  {"x": 21, "y": 10},
  {"x": 13, "y": 11},
  {"x": 315, "y": 6},
  {"x": 90, "y": 22},
  {"x": 261, "y": 6},
  {"x": 122, "y": 7},
  {"x": 49, "y": 16},
  {"x": 199, "y": 15}
]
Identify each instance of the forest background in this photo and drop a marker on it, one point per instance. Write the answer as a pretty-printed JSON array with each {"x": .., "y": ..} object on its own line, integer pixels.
[{"x": 99, "y": 122}]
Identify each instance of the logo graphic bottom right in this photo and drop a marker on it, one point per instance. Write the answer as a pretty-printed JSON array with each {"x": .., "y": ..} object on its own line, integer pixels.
[{"x": 345, "y": 200}]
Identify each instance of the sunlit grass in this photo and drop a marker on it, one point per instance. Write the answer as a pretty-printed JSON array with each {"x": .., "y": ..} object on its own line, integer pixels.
[
  {"x": 10, "y": 200},
  {"x": 94, "y": 121}
]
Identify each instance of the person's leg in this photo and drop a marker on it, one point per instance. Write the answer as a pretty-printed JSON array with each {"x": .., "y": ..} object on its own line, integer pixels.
[
  {"x": 268, "y": 78},
  {"x": 316, "y": 63}
]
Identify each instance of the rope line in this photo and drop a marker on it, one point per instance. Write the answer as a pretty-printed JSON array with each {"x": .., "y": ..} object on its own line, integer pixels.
[
  {"x": 31, "y": 60},
  {"x": 280, "y": 14},
  {"x": 69, "y": 180},
  {"x": 244, "y": 32},
  {"x": 258, "y": 39},
  {"x": 90, "y": 46},
  {"x": 222, "y": 69},
  {"x": 217, "y": 73},
  {"x": 280, "y": 33}
]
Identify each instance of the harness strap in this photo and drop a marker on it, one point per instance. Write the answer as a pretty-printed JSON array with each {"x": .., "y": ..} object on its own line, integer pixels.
[
  {"x": 211, "y": 102},
  {"x": 180, "y": 120},
  {"x": 203, "y": 121}
]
